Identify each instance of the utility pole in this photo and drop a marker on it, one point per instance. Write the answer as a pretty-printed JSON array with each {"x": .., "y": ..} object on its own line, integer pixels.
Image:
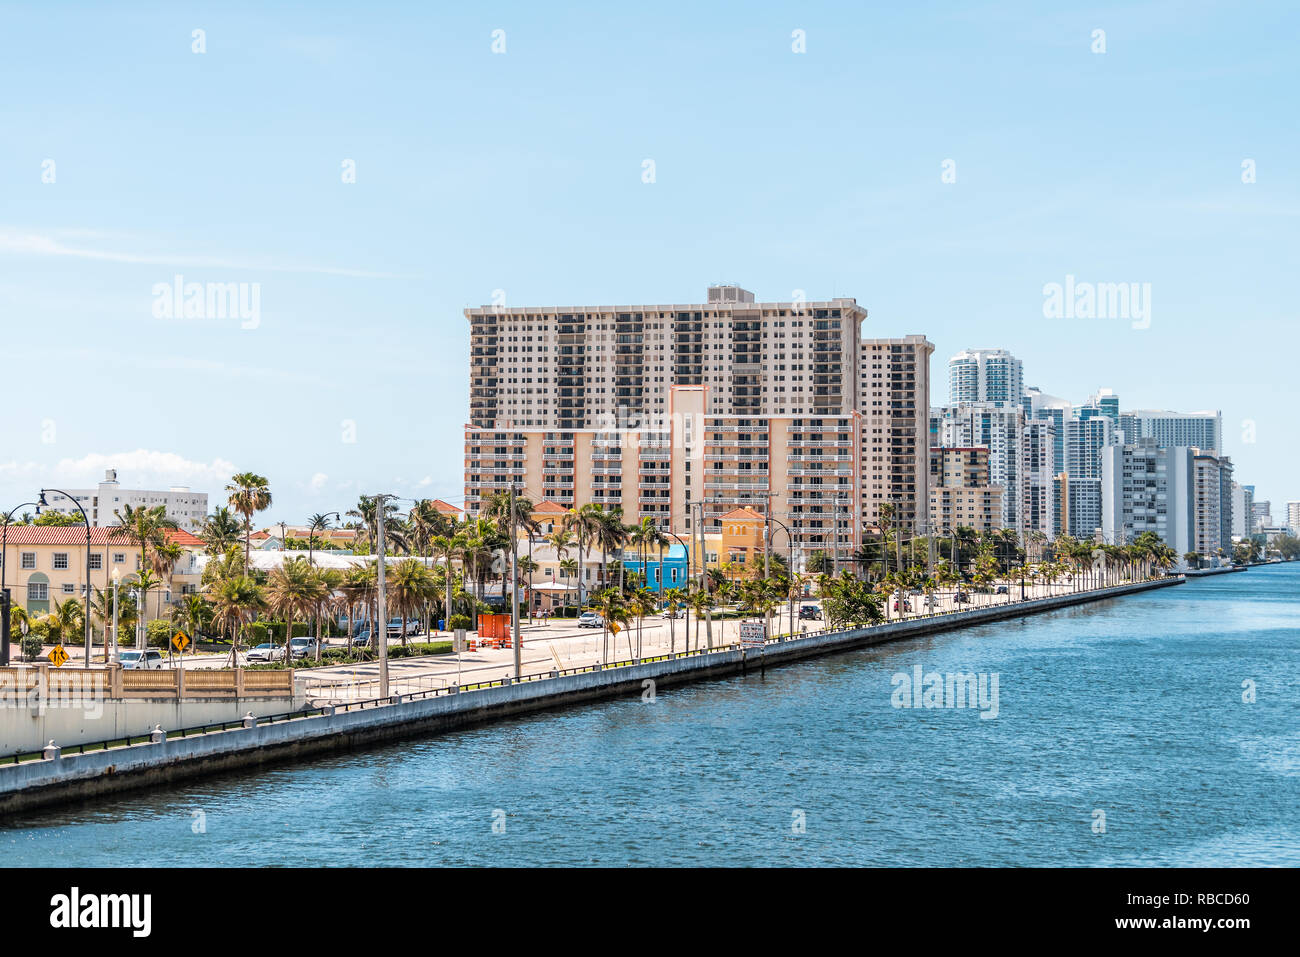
[
  {"x": 514, "y": 590},
  {"x": 379, "y": 628}
]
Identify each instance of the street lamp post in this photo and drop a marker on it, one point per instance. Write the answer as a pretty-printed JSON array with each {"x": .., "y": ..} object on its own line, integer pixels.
[
  {"x": 110, "y": 653},
  {"x": 687, "y": 640},
  {"x": 789, "y": 569},
  {"x": 85, "y": 605},
  {"x": 311, "y": 535}
]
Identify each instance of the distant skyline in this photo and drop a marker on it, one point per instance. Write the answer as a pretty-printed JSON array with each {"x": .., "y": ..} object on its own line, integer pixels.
[{"x": 523, "y": 171}]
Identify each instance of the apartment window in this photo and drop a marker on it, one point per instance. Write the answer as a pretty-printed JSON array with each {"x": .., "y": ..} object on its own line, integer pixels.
[
  {"x": 96, "y": 561},
  {"x": 29, "y": 560},
  {"x": 38, "y": 591},
  {"x": 60, "y": 560},
  {"x": 69, "y": 588},
  {"x": 119, "y": 558}
]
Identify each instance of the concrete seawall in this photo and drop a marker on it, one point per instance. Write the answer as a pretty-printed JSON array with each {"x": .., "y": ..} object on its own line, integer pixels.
[{"x": 79, "y": 776}]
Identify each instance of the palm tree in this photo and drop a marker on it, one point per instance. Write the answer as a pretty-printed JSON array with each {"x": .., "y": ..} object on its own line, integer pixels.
[
  {"x": 583, "y": 523},
  {"x": 193, "y": 614},
  {"x": 249, "y": 494},
  {"x": 358, "y": 587},
  {"x": 448, "y": 547},
  {"x": 143, "y": 526},
  {"x": 292, "y": 591},
  {"x": 220, "y": 530},
  {"x": 673, "y": 599},
  {"x": 367, "y": 526},
  {"x": 611, "y": 534},
  {"x": 65, "y": 620},
  {"x": 640, "y": 603},
  {"x": 700, "y": 602},
  {"x": 235, "y": 602},
  {"x": 613, "y": 611},
  {"x": 410, "y": 589},
  {"x": 163, "y": 563}
]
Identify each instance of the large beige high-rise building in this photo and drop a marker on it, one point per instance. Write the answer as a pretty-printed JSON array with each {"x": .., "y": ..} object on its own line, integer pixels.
[{"x": 665, "y": 410}]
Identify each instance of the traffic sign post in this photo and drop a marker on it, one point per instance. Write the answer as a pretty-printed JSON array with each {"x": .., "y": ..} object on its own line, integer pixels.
[
  {"x": 180, "y": 642},
  {"x": 58, "y": 657}
]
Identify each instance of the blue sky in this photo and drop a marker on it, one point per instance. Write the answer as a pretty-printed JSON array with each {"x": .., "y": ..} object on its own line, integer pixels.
[{"x": 522, "y": 171}]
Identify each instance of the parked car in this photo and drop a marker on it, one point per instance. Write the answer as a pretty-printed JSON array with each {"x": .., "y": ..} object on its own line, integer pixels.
[
  {"x": 930, "y": 603},
  {"x": 961, "y": 598},
  {"x": 395, "y": 627},
  {"x": 671, "y": 613},
  {"x": 265, "y": 652},
  {"x": 150, "y": 660},
  {"x": 1000, "y": 590},
  {"x": 907, "y": 605},
  {"x": 361, "y": 639},
  {"x": 591, "y": 619},
  {"x": 302, "y": 647},
  {"x": 807, "y": 612}
]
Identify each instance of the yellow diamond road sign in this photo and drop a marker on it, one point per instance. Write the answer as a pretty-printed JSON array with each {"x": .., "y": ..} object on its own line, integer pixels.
[
  {"x": 179, "y": 641},
  {"x": 613, "y": 627},
  {"x": 58, "y": 656}
]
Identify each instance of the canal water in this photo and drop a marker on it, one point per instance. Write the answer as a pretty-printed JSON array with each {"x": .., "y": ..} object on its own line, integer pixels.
[{"x": 1121, "y": 737}]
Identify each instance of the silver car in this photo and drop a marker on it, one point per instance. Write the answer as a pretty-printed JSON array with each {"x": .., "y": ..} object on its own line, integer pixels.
[{"x": 150, "y": 660}]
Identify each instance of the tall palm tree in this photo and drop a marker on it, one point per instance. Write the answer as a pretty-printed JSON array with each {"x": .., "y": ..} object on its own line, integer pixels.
[
  {"x": 367, "y": 526},
  {"x": 409, "y": 590},
  {"x": 359, "y": 587},
  {"x": 163, "y": 564},
  {"x": 292, "y": 591},
  {"x": 145, "y": 527},
  {"x": 610, "y": 535},
  {"x": 583, "y": 523},
  {"x": 220, "y": 530},
  {"x": 449, "y": 547},
  {"x": 250, "y": 493},
  {"x": 235, "y": 602},
  {"x": 613, "y": 611}
]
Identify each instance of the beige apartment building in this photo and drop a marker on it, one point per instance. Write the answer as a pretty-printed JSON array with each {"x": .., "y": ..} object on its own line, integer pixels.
[
  {"x": 677, "y": 411},
  {"x": 960, "y": 493}
]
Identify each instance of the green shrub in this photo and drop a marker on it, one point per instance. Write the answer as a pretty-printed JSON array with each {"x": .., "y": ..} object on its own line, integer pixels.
[
  {"x": 459, "y": 621},
  {"x": 32, "y": 646},
  {"x": 424, "y": 648},
  {"x": 255, "y": 633},
  {"x": 158, "y": 633}
]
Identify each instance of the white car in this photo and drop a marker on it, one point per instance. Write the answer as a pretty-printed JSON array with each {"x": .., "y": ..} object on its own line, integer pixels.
[
  {"x": 150, "y": 660},
  {"x": 591, "y": 619},
  {"x": 266, "y": 652}
]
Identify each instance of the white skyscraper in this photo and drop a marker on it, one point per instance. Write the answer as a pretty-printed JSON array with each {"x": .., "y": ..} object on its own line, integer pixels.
[{"x": 985, "y": 375}]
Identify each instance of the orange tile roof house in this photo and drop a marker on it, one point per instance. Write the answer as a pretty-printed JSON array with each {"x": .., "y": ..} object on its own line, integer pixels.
[{"x": 47, "y": 563}]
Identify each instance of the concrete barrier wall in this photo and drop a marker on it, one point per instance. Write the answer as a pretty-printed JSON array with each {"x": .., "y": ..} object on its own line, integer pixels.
[
  {"x": 81, "y": 776},
  {"x": 28, "y": 721}
]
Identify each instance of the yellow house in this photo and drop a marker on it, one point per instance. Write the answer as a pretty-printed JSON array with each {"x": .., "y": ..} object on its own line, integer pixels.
[{"x": 47, "y": 563}]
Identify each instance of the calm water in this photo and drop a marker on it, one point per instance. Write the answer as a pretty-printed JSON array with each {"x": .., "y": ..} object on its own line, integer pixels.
[{"x": 1133, "y": 707}]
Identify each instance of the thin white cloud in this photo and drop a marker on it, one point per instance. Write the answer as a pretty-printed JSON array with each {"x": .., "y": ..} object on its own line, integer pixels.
[
  {"x": 141, "y": 468},
  {"x": 16, "y": 242}
]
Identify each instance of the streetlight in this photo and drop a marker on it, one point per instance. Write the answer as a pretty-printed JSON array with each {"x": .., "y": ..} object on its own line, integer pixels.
[
  {"x": 85, "y": 607},
  {"x": 110, "y": 653},
  {"x": 311, "y": 534},
  {"x": 789, "y": 568},
  {"x": 688, "y": 579}
]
